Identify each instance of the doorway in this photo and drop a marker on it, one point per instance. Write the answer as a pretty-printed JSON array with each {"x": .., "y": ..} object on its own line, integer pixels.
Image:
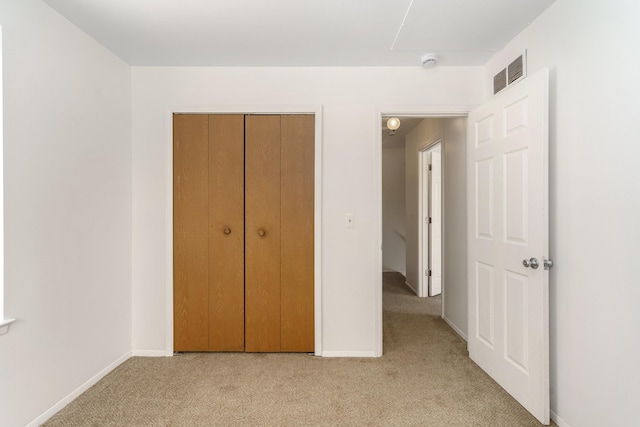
[
  {"x": 452, "y": 123},
  {"x": 411, "y": 202}
]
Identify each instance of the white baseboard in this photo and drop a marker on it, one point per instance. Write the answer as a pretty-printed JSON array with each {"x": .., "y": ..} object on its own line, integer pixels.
[
  {"x": 558, "y": 420},
  {"x": 150, "y": 353},
  {"x": 455, "y": 328},
  {"x": 348, "y": 354},
  {"x": 77, "y": 392}
]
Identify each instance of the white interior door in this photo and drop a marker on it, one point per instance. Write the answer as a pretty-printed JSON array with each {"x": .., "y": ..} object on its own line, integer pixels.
[
  {"x": 435, "y": 224},
  {"x": 508, "y": 224},
  {"x": 423, "y": 290}
]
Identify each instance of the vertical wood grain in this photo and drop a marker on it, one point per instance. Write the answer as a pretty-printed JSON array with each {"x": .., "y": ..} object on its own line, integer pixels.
[
  {"x": 262, "y": 212},
  {"x": 297, "y": 210},
  {"x": 190, "y": 223},
  {"x": 226, "y": 249}
]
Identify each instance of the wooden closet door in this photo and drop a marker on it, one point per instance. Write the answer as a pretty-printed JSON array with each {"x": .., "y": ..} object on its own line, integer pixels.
[
  {"x": 243, "y": 233},
  {"x": 262, "y": 233},
  {"x": 297, "y": 213},
  {"x": 226, "y": 233},
  {"x": 190, "y": 239}
]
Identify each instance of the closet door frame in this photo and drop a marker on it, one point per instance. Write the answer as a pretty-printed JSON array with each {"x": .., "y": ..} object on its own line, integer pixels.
[{"x": 315, "y": 110}]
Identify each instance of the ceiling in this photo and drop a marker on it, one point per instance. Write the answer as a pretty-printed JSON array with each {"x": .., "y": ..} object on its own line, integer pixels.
[{"x": 301, "y": 32}]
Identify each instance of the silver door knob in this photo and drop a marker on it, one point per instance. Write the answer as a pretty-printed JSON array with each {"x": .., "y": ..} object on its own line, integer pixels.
[
  {"x": 531, "y": 262},
  {"x": 548, "y": 263}
]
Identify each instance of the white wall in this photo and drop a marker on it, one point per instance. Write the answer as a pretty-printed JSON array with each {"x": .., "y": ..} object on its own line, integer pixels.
[
  {"x": 393, "y": 209},
  {"x": 426, "y": 133},
  {"x": 591, "y": 48},
  {"x": 349, "y": 98},
  {"x": 454, "y": 182},
  {"x": 67, "y": 152}
]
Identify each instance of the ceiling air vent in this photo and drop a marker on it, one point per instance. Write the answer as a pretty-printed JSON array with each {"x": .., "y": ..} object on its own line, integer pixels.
[
  {"x": 516, "y": 71},
  {"x": 500, "y": 81}
]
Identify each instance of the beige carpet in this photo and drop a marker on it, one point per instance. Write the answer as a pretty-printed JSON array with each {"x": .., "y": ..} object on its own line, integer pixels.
[{"x": 424, "y": 379}]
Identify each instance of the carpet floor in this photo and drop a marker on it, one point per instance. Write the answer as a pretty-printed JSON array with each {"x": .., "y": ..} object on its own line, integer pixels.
[{"x": 425, "y": 378}]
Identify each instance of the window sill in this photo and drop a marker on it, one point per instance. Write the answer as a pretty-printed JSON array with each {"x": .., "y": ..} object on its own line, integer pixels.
[{"x": 4, "y": 325}]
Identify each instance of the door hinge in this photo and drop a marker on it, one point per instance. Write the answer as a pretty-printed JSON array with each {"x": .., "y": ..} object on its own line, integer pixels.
[
  {"x": 429, "y": 273},
  {"x": 429, "y": 167},
  {"x": 429, "y": 220}
]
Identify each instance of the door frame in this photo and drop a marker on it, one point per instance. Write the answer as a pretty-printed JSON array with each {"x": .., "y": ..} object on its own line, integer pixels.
[
  {"x": 316, "y": 110},
  {"x": 426, "y": 112},
  {"x": 424, "y": 195}
]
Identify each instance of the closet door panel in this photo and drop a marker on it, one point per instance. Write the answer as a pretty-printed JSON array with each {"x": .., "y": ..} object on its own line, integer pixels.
[
  {"x": 226, "y": 233},
  {"x": 297, "y": 207},
  {"x": 262, "y": 233},
  {"x": 190, "y": 223}
]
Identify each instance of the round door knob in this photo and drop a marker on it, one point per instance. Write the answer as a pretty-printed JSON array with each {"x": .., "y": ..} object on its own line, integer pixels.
[
  {"x": 261, "y": 233},
  {"x": 532, "y": 262},
  {"x": 226, "y": 230}
]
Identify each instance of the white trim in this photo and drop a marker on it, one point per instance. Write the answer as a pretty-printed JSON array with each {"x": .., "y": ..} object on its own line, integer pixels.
[
  {"x": 558, "y": 420},
  {"x": 431, "y": 111},
  {"x": 455, "y": 328},
  {"x": 317, "y": 263},
  {"x": 423, "y": 281},
  {"x": 4, "y": 323},
  {"x": 349, "y": 354},
  {"x": 423, "y": 153},
  {"x": 168, "y": 349},
  {"x": 77, "y": 392},
  {"x": 149, "y": 353}
]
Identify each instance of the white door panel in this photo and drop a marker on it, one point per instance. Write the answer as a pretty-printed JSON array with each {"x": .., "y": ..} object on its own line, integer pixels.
[
  {"x": 424, "y": 225},
  {"x": 435, "y": 226},
  {"x": 508, "y": 223}
]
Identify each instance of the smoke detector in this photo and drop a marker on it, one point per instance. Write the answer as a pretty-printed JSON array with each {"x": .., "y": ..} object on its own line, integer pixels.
[{"x": 429, "y": 60}]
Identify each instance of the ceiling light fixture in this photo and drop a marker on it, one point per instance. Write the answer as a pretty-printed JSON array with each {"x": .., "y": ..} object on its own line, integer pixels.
[
  {"x": 429, "y": 60},
  {"x": 393, "y": 123}
]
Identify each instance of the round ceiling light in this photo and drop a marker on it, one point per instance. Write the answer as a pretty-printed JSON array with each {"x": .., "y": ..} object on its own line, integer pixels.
[{"x": 393, "y": 123}]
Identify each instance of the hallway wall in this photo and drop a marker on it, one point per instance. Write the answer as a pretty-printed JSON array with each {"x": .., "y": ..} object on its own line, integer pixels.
[
  {"x": 454, "y": 182},
  {"x": 453, "y": 134},
  {"x": 393, "y": 209}
]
